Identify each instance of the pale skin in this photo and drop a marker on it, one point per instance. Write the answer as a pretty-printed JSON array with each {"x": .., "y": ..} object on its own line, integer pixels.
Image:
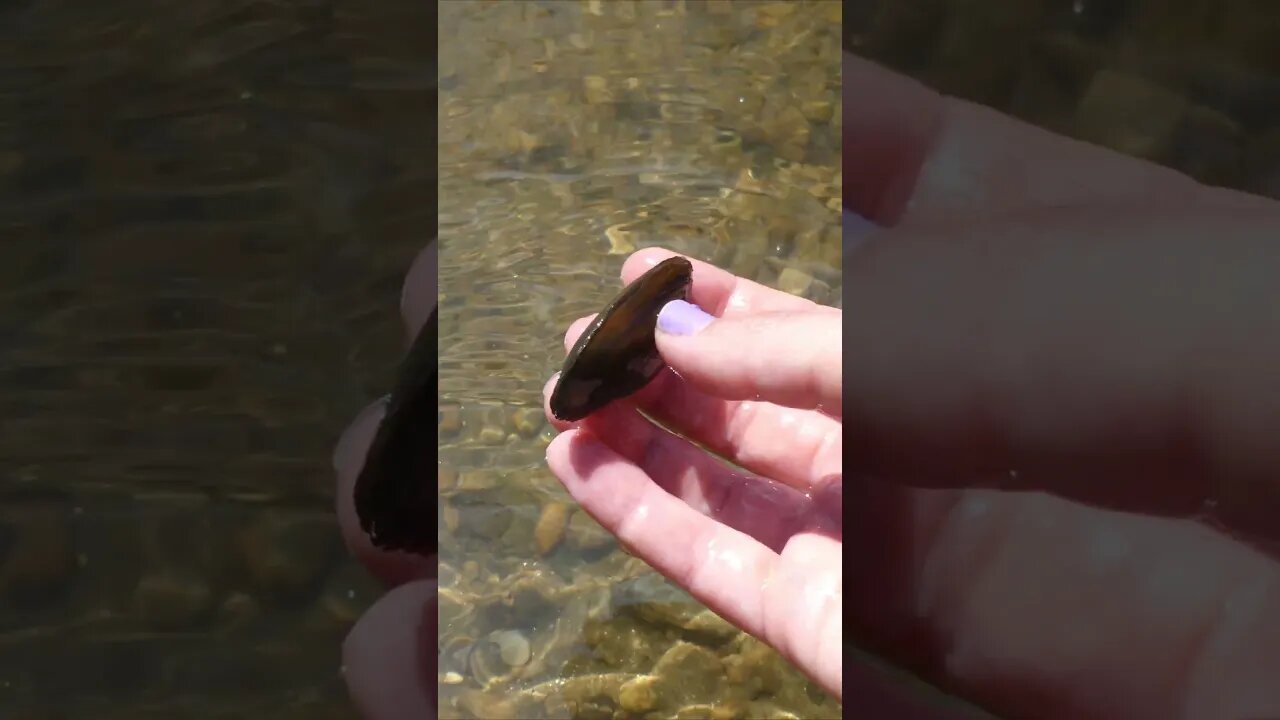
[
  {"x": 760, "y": 548},
  {"x": 765, "y": 552},
  {"x": 1026, "y": 311}
]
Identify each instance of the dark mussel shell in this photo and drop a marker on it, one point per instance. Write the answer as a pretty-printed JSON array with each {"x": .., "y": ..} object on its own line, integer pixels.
[
  {"x": 617, "y": 355},
  {"x": 395, "y": 495}
]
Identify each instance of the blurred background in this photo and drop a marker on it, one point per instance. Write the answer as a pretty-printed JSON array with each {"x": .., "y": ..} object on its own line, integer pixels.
[
  {"x": 1191, "y": 84},
  {"x": 571, "y": 135},
  {"x": 206, "y": 210}
]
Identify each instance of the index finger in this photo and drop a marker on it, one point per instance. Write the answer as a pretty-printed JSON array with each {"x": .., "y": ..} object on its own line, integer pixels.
[
  {"x": 1112, "y": 358},
  {"x": 720, "y": 292},
  {"x": 910, "y": 152}
]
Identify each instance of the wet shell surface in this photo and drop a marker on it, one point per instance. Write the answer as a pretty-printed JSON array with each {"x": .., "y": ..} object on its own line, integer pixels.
[
  {"x": 617, "y": 354},
  {"x": 395, "y": 495}
]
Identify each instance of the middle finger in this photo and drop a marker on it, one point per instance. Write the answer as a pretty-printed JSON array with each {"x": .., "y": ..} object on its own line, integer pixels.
[
  {"x": 767, "y": 511},
  {"x": 797, "y": 447},
  {"x": 1036, "y": 606}
]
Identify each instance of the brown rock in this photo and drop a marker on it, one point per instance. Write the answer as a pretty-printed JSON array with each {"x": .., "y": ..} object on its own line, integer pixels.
[
  {"x": 37, "y": 553},
  {"x": 287, "y": 554},
  {"x": 527, "y": 421},
  {"x": 794, "y": 281},
  {"x": 1130, "y": 114},
  {"x": 172, "y": 600},
  {"x": 550, "y": 528},
  {"x": 450, "y": 419}
]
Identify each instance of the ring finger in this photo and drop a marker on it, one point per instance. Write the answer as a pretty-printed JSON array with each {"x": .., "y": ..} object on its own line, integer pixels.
[{"x": 769, "y": 512}]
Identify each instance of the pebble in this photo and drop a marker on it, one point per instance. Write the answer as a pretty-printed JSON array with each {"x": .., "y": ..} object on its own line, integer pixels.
[
  {"x": 451, "y": 517},
  {"x": 698, "y": 669},
  {"x": 620, "y": 242},
  {"x": 479, "y": 479},
  {"x": 1130, "y": 114},
  {"x": 172, "y": 600},
  {"x": 513, "y": 647},
  {"x": 450, "y": 419},
  {"x": 794, "y": 281},
  {"x": 446, "y": 478},
  {"x": 551, "y": 525},
  {"x": 637, "y": 695},
  {"x": 818, "y": 111},
  {"x": 491, "y": 435},
  {"x": 37, "y": 550},
  {"x": 771, "y": 14},
  {"x": 596, "y": 90},
  {"x": 348, "y": 593},
  {"x": 286, "y": 555},
  {"x": 527, "y": 421},
  {"x": 238, "y": 610},
  {"x": 489, "y": 521}
]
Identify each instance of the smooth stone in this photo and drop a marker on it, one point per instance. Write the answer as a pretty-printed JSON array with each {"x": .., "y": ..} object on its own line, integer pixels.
[
  {"x": 637, "y": 695},
  {"x": 1130, "y": 114},
  {"x": 794, "y": 281},
  {"x": 551, "y": 525},
  {"x": 172, "y": 600},
  {"x": 287, "y": 555}
]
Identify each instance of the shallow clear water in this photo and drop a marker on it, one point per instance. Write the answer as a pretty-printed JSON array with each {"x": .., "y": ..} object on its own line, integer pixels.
[
  {"x": 571, "y": 135},
  {"x": 205, "y": 212}
]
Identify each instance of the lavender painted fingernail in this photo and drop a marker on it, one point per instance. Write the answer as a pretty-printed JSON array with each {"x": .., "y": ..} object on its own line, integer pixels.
[{"x": 682, "y": 318}]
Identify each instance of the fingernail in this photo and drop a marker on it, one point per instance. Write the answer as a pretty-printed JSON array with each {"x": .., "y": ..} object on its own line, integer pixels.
[{"x": 682, "y": 318}]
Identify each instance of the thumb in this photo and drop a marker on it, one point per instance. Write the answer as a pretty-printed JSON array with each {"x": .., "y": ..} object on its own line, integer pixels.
[{"x": 786, "y": 358}]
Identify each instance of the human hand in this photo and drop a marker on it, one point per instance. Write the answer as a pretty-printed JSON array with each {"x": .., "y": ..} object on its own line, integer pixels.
[
  {"x": 1108, "y": 329},
  {"x": 761, "y": 387},
  {"x": 389, "y": 658}
]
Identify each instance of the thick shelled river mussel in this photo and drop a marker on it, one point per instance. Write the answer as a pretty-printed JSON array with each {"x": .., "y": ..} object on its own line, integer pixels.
[
  {"x": 395, "y": 499},
  {"x": 396, "y": 494},
  {"x": 617, "y": 354}
]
